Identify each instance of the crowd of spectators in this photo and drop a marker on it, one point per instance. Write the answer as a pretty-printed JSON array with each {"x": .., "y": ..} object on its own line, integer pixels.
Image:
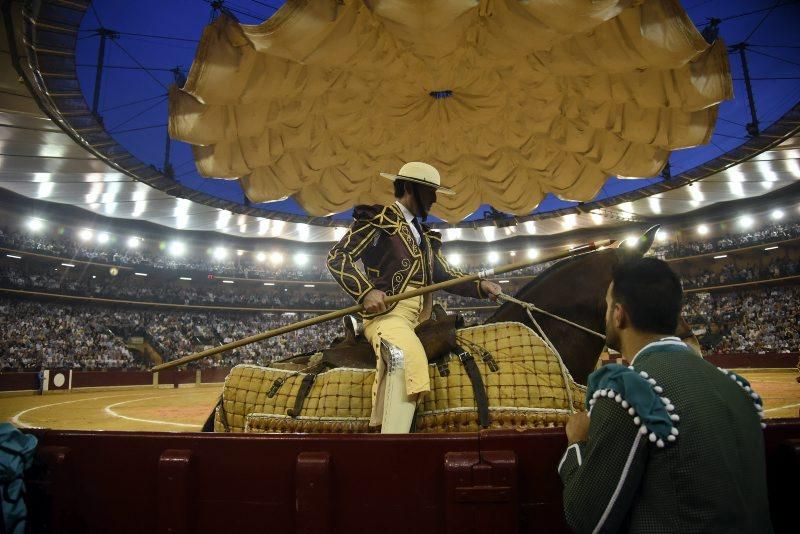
[
  {"x": 247, "y": 265},
  {"x": 86, "y": 336},
  {"x": 732, "y": 274},
  {"x": 776, "y": 232},
  {"x": 756, "y": 321},
  {"x": 234, "y": 265}
]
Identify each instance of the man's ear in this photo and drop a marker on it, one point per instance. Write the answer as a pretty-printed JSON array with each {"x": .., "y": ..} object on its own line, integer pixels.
[{"x": 619, "y": 315}]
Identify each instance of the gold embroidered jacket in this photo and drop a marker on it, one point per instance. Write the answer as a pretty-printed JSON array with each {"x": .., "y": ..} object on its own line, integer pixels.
[{"x": 382, "y": 239}]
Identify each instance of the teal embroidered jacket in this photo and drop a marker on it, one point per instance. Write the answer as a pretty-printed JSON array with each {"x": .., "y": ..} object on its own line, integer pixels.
[{"x": 708, "y": 476}]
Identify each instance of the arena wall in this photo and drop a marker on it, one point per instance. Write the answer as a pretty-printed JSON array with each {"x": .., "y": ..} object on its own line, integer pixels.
[{"x": 28, "y": 381}]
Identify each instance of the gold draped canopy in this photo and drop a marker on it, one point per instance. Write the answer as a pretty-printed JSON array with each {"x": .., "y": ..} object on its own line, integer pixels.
[{"x": 509, "y": 99}]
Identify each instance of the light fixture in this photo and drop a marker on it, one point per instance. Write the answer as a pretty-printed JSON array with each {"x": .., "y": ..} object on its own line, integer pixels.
[
  {"x": 488, "y": 232},
  {"x": 301, "y": 259},
  {"x": 240, "y": 252},
  {"x": 14, "y": 256},
  {"x": 721, "y": 256},
  {"x": 68, "y": 264},
  {"x": 140, "y": 274},
  {"x": 34, "y": 224},
  {"x": 227, "y": 281},
  {"x": 454, "y": 259},
  {"x": 261, "y": 256},
  {"x": 493, "y": 257},
  {"x": 777, "y": 214},
  {"x": 662, "y": 235},
  {"x": 176, "y": 248},
  {"x": 771, "y": 248},
  {"x": 103, "y": 238},
  {"x": 276, "y": 258},
  {"x": 308, "y": 285},
  {"x": 134, "y": 242},
  {"x": 187, "y": 278},
  {"x": 85, "y": 234},
  {"x": 746, "y": 221},
  {"x": 219, "y": 253},
  {"x": 269, "y": 283},
  {"x": 702, "y": 229},
  {"x": 630, "y": 241},
  {"x": 532, "y": 253},
  {"x": 503, "y": 281},
  {"x": 513, "y": 253}
]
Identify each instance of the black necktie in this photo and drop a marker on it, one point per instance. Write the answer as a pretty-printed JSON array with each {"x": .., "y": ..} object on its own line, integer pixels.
[{"x": 416, "y": 224}]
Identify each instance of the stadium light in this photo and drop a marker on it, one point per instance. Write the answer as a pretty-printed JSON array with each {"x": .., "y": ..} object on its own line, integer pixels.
[
  {"x": 301, "y": 259},
  {"x": 777, "y": 214},
  {"x": 219, "y": 253},
  {"x": 746, "y": 221},
  {"x": 454, "y": 259},
  {"x": 261, "y": 256},
  {"x": 134, "y": 242},
  {"x": 702, "y": 229},
  {"x": 532, "y": 253},
  {"x": 513, "y": 253},
  {"x": 240, "y": 252},
  {"x": 227, "y": 281},
  {"x": 176, "y": 248},
  {"x": 187, "y": 278},
  {"x": 269, "y": 283},
  {"x": 630, "y": 241},
  {"x": 103, "y": 238},
  {"x": 35, "y": 225},
  {"x": 276, "y": 258},
  {"x": 662, "y": 235},
  {"x": 493, "y": 257},
  {"x": 85, "y": 234}
]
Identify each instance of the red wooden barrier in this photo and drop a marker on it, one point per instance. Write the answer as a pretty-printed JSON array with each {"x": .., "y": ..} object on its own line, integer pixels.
[
  {"x": 336, "y": 483},
  {"x": 741, "y": 361},
  {"x": 83, "y": 379},
  {"x": 19, "y": 381}
]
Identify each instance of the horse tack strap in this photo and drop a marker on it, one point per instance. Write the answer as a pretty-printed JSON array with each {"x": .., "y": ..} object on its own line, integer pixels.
[
  {"x": 302, "y": 393},
  {"x": 478, "y": 388}
]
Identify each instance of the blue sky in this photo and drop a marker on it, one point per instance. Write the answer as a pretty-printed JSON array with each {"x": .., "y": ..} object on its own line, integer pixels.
[{"x": 158, "y": 35}]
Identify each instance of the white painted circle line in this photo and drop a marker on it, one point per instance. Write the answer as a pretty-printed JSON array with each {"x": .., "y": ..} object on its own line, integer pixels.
[
  {"x": 109, "y": 410},
  {"x": 782, "y": 407},
  {"x": 17, "y": 421}
]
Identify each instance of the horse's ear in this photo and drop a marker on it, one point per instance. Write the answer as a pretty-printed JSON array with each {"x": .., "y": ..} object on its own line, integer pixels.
[{"x": 643, "y": 243}]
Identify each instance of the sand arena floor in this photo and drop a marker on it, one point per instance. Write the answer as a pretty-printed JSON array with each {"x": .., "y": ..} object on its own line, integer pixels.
[{"x": 185, "y": 409}]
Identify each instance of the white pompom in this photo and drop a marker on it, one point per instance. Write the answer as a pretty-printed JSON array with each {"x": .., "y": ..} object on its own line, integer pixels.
[
  {"x": 625, "y": 404},
  {"x": 591, "y": 402},
  {"x": 659, "y": 389},
  {"x": 674, "y": 431},
  {"x": 652, "y": 381},
  {"x": 631, "y": 411},
  {"x": 595, "y": 394},
  {"x": 637, "y": 421},
  {"x": 652, "y": 437},
  {"x": 643, "y": 430},
  {"x": 675, "y": 417},
  {"x": 740, "y": 383},
  {"x": 671, "y": 438},
  {"x": 754, "y": 395},
  {"x": 759, "y": 407},
  {"x": 618, "y": 398},
  {"x": 644, "y": 375},
  {"x": 610, "y": 393},
  {"x": 660, "y": 444},
  {"x": 747, "y": 389},
  {"x": 732, "y": 377},
  {"x": 665, "y": 400},
  {"x": 670, "y": 407}
]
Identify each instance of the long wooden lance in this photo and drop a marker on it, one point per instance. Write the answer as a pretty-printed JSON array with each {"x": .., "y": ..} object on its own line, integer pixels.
[{"x": 582, "y": 249}]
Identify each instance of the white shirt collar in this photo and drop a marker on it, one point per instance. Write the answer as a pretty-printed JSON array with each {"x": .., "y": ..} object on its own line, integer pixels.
[
  {"x": 407, "y": 214},
  {"x": 668, "y": 340}
]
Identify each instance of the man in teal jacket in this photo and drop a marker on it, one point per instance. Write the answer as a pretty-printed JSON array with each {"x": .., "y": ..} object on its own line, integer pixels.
[{"x": 671, "y": 443}]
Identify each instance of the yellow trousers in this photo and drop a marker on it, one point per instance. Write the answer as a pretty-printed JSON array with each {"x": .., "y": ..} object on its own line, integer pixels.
[{"x": 397, "y": 327}]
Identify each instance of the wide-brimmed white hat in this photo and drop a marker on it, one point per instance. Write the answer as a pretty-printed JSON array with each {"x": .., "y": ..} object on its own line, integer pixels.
[{"x": 421, "y": 173}]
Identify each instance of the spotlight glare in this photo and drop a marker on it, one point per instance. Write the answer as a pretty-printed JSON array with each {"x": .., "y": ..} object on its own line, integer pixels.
[
  {"x": 276, "y": 258},
  {"x": 532, "y": 253},
  {"x": 261, "y": 256},
  {"x": 85, "y": 234},
  {"x": 301, "y": 259},
  {"x": 34, "y": 224},
  {"x": 662, "y": 235},
  {"x": 777, "y": 214},
  {"x": 454, "y": 259},
  {"x": 746, "y": 221},
  {"x": 134, "y": 242},
  {"x": 176, "y": 248},
  {"x": 493, "y": 257},
  {"x": 702, "y": 229},
  {"x": 103, "y": 238},
  {"x": 219, "y": 253}
]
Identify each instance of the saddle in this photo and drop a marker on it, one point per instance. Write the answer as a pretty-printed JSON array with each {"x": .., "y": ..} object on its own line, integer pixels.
[{"x": 437, "y": 334}]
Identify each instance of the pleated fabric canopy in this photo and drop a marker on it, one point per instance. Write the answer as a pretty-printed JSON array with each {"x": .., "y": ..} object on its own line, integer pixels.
[{"x": 509, "y": 99}]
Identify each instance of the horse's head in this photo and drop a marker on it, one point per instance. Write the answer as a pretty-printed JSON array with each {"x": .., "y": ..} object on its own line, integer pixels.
[{"x": 575, "y": 289}]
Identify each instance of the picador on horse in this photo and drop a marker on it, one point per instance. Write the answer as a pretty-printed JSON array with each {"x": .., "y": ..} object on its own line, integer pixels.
[{"x": 399, "y": 253}]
